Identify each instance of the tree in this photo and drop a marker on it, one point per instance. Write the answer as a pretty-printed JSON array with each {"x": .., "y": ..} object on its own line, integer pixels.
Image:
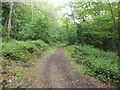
[
  {"x": 95, "y": 24},
  {"x": 118, "y": 29},
  {"x": 9, "y": 20}
]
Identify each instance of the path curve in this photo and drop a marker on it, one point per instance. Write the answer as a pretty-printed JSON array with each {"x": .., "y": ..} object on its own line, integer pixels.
[
  {"x": 55, "y": 72},
  {"x": 58, "y": 73}
]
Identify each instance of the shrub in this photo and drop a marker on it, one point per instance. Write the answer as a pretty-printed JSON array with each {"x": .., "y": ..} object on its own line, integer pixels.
[
  {"x": 103, "y": 65},
  {"x": 21, "y": 50}
]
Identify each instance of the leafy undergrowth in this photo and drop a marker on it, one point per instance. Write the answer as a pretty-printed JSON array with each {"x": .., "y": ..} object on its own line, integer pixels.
[
  {"x": 18, "y": 58},
  {"x": 20, "y": 50},
  {"x": 95, "y": 62}
]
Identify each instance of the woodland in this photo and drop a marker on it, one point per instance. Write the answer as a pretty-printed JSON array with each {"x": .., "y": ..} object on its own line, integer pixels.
[{"x": 88, "y": 29}]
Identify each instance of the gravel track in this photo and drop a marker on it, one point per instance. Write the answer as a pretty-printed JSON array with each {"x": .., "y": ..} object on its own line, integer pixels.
[
  {"x": 59, "y": 74},
  {"x": 56, "y": 72}
]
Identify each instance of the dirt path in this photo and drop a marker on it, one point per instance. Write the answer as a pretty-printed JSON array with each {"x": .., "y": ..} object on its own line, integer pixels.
[{"x": 55, "y": 72}]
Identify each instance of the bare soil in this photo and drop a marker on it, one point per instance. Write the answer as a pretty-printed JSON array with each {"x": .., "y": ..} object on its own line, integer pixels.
[{"x": 55, "y": 72}]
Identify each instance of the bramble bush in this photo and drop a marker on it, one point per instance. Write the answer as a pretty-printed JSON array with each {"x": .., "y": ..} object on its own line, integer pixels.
[{"x": 103, "y": 65}]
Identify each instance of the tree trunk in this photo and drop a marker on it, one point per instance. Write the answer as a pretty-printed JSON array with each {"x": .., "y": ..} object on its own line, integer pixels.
[
  {"x": 118, "y": 29},
  {"x": 112, "y": 13},
  {"x": 67, "y": 26},
  {"x": 32, "y": 9},
  {"x": 115, "y": 26},
  {"x": 9, "y": 20},
  {"x": 72, "y": 13}
]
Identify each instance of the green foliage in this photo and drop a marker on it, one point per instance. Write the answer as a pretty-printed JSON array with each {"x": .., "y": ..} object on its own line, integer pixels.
[
  {"x": 95, "y": 23},
  {"x": 101, "y": 64},
  {"x": 20, "y": 50},
  {"x": 72, "y": 37},
  {"x": 31, "y": 21}
]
